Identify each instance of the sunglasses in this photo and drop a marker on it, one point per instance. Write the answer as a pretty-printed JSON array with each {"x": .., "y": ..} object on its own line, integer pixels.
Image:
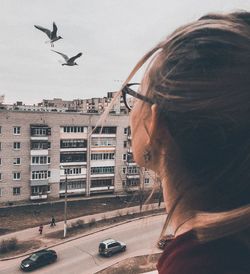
[{"x": 130, "y": 93}]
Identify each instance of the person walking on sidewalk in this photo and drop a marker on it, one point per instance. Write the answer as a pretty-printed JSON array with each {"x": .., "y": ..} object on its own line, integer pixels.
[
  {"x": 53, "y": 221},
  {"x": 40, "y": 229}
]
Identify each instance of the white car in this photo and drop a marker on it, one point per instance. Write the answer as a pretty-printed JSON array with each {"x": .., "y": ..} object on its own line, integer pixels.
[{"x": 110, "y": 246}]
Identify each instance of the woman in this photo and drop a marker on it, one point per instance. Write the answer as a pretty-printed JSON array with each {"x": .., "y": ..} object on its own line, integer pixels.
[{"x": 190, "y": 124}]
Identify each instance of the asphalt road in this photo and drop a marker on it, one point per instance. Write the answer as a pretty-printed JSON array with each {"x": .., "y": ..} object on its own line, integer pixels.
[{"x": 81, "y": 255}]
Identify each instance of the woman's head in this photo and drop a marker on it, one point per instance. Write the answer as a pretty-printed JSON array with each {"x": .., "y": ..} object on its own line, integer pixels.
[{"x": 198, "y": 132}]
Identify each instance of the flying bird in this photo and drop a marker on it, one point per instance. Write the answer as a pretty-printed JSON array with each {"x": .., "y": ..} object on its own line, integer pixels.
[
  {"x": 51, "y": 34},
  {"x": 69, "y": 61}
]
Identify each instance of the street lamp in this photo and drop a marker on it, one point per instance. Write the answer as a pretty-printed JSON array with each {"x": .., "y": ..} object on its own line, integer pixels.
[
  {"x": 65, "y": 206},
  {"x": 65, "y": 202}
]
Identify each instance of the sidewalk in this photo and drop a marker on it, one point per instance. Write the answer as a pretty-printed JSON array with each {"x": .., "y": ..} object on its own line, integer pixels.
[{"x": 33, "y": 233}]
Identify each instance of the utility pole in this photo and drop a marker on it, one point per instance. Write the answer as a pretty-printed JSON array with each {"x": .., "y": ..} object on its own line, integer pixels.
[{"x": 65, "y": 205}]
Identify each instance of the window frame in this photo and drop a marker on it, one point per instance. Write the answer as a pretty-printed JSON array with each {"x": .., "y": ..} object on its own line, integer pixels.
[
  {"x": 16, "y": 130},
  {"x": 15, "y": 177}
]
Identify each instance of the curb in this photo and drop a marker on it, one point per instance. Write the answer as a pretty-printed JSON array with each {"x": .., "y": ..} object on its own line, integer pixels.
[
  {"x": 106, "y": 268},
  {"x": 81, "y": 236}
]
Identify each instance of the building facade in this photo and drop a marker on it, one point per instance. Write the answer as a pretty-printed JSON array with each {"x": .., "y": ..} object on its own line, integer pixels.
[{"x": 43, "y": 154}]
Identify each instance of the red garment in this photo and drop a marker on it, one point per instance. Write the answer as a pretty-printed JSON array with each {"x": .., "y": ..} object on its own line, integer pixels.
[{"x": 185, "y": 255}]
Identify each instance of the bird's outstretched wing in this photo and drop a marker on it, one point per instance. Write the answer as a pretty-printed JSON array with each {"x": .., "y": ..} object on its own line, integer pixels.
[
  {"x": 66, "y": 58},
  {"x": 47, "y": 31},
  {"x": 72, "y": 59},
  {"x": 54, "y": 31}
]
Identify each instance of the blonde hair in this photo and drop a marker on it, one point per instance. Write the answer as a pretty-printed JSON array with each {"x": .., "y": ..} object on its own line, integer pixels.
[{"x": 200, "y": 73}]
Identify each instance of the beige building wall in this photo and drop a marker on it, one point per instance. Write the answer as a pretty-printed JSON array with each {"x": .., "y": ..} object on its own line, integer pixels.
[{"x": 55, "y": 121}]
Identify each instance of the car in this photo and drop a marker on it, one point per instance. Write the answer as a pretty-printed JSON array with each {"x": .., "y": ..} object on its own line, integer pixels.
[
  {"x": 109, "y": 247},
  {"x": 38, "y": 259},
  {"x": 164, "y": 241}
]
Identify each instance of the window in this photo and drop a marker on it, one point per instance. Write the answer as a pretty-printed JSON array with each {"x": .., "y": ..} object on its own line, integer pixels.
[
  {"x": 102, "y": 156},
  {"x": 73, "y": 157},
  {"x": 1, "y": 192},
  {"x": 39, "y": 175},
  {"x": 16, "y": 190},
  {"x": 42, "y": 130},
  {"x": 133, "y": 170},
  {"x": 105, "y": 130},
  {"x": 49, "y": 174},
  {"x": 73, "y": 185},
  {"x": 0, "y": 176},
  {"x": 17, "y": 161},
  {"x": 37, "y": 145},
  {"x": 36, "y": 190},
  {"x": 0, "y": 161},
  {"x": 75, "y": 129},
  {"x": 102, "y": 170},
  {"x": 133, "y": 182},
  {"x": 73, "y": 143},
  {"x": 72, "y": 171},
  {"x": 126, "y": 130},
  {"x": 125, "y": 144},
  {"x": 39, "y": 160},
  {"x": 17, "y": 176},
  {"x": 124, "y": 170},
  {"x": 48, "y": 160},
  {"x": 103, "y": 142},
  {"x": 16, "y": 145},
  {"x": 146, "y": 180},
  {"x": 102, "y": 183},
  {"x": 0, "y": 146},
  {"x": 16, "y": 130},
  {"x": 124, "y": 157}
]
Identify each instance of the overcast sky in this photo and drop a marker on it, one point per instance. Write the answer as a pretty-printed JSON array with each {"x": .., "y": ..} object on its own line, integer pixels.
[{"x": 111, "y": 34}]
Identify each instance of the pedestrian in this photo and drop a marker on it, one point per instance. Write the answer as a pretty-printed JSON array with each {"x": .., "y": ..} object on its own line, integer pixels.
[
  {"x": 41, "y": 229},
  {"x": 190, "y": 124},
  {"x": 53, "y": 221}
]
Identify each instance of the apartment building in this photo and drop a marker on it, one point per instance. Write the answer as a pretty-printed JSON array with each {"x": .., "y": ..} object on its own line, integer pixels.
[{"x": 43, "y": 154}]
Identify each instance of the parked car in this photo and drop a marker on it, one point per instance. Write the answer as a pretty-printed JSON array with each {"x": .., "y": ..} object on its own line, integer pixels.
[
  {"x": 110, "y": 246},
  {"x": 164, "y": 241},
  {"x": 38, "y": 259}
]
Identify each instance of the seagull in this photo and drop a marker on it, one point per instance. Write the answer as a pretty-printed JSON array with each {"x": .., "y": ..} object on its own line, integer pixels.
[
  {"x": 69, "y": 61},
  {"x": 51, "y": 34}
]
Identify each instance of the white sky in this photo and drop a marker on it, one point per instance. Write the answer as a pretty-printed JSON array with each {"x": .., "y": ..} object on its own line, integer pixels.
[{"x": 112, "y": 34}]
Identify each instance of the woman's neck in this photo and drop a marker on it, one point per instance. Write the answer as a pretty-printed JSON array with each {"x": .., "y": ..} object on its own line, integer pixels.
[{"x": 182, "y": 219}]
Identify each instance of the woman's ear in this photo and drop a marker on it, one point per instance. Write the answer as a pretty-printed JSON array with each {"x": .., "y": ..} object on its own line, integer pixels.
[{"x": 153, "y": 129}]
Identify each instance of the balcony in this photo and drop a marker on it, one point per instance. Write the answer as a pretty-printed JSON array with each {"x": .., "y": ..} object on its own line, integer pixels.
[
  {"x": 39, "y": 132},
  {"x": 40, "y": 182},
  {"x": 73, "y": 176},
  {"x": 73, "y": 187},
  {"x": 130, "y": 176},
  {"x": 102, "y": 189},
  {"x": 38, "y": 197},
  {"x": 101, "y": 163},
  {"x": 38, "y": 167},
  {"x": 73, "y": 149},
  {"x": 73, "y": 145},
  {"x": 104, "y": 175},
  {"x": 39, "y": 152},
  {"x": 38, "y": 138}
]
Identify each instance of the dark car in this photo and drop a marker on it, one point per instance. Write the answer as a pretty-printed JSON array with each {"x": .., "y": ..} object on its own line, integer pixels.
[
  {"x": 38, "y": 259},
  {"x": 164, "y": 241},
  {"x": 110, "y": 246}
]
